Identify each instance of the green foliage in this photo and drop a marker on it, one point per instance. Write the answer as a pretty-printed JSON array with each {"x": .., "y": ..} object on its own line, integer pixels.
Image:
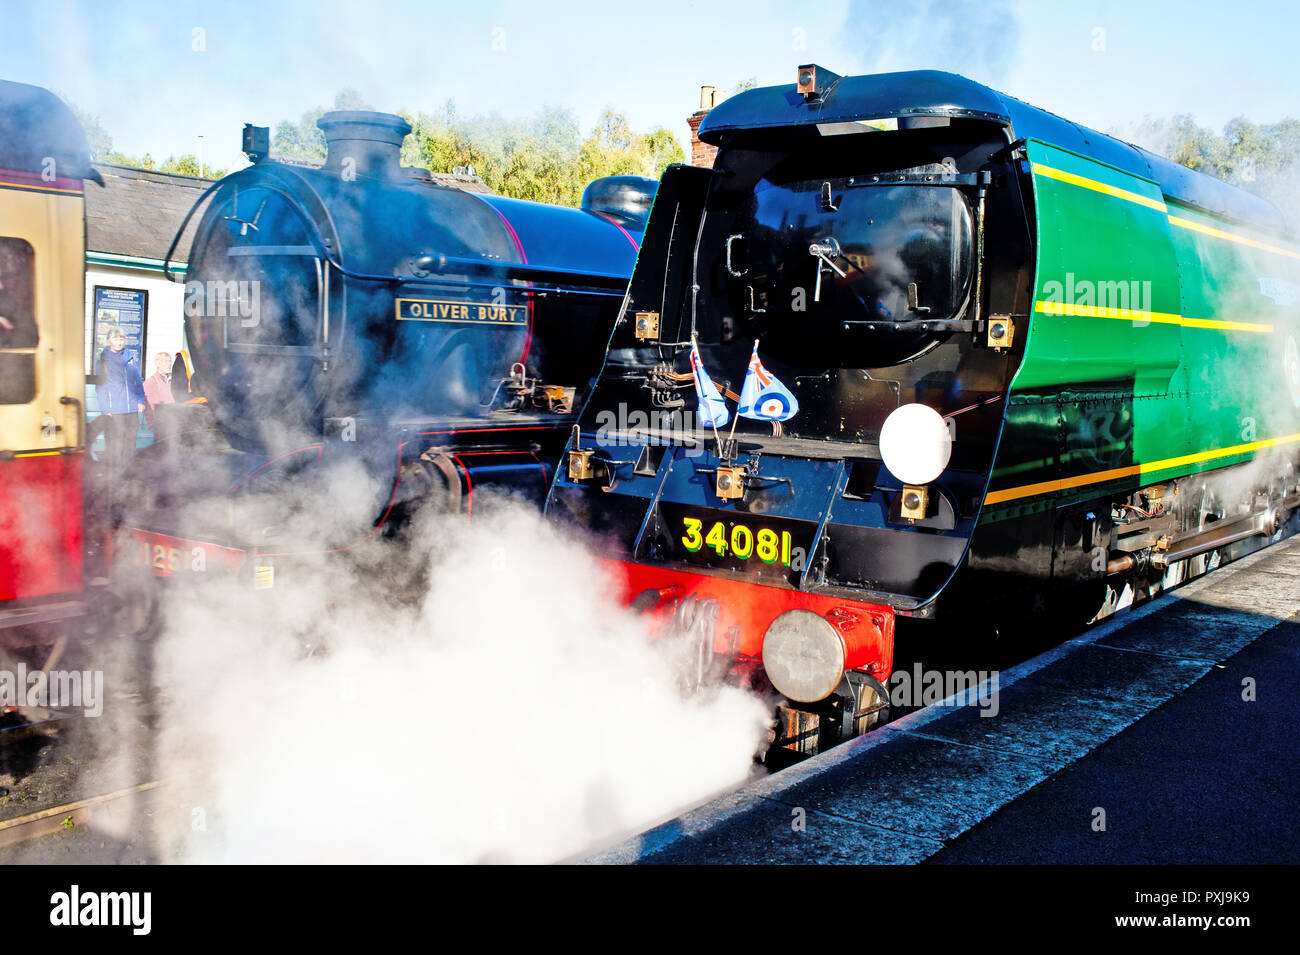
[
  {"x": 101, "y": 150},
  {"x": 544, "y": 158},
  {"x": 188, "y": 165},
  {"x": 96, "y": 135},
  {"x": 122, "y": 159},
  {"x": 303, "y": 140},
  {"x": 1261, "y": 158}
]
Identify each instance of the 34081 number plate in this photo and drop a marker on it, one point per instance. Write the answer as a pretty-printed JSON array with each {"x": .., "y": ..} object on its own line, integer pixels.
[
  {"x": 739, "y": 540},
  {"x": 751, "y": 544}
]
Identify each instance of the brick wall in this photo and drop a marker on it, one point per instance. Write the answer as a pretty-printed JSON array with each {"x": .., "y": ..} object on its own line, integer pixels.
[{"x": 702, "y": 154}]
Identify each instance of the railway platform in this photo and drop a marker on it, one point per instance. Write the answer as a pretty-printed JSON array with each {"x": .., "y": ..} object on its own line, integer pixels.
[{"x": 1167, "y": 733}]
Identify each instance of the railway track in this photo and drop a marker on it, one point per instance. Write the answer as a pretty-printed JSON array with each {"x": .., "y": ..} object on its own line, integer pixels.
[{"x": 92, "y": 811}]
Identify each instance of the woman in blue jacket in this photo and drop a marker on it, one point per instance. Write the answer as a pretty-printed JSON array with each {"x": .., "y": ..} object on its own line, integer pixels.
[{"x": 120, "y": 391}]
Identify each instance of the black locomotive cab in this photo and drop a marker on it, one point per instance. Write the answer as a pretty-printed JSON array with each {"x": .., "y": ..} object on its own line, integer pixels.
[
  {"x": 855, "y": 261},
  {"x": 876, "y": 269}
]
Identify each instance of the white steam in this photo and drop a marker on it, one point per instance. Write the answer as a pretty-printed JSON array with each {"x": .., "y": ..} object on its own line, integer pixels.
[
  {"x": 511, "y": 712},
  {"x": 976, "y": 39}
]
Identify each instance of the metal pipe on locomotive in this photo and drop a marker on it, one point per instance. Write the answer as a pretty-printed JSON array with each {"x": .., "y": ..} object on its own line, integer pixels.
[
  {"x": 367, "y": 314},
  {"x": 1031, "y": 362}
]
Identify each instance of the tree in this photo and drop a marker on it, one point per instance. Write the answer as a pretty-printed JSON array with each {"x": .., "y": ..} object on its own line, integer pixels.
[
  {"x": 188, "y": 165},
  {"x": 1261, "y": 158},
  {"x": 544, "y": 157},
  {"x": 303, "y": 139},
  {"x": 101, "y": 150},
  {"x": 97, "y": 137}
]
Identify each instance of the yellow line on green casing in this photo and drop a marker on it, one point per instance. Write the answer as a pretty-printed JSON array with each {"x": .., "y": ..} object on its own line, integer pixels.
[
  {"x": 1086, "y": 183},
  {"x": 1049, "y": 307},
  {"x": 1097, "y": 477},
  {"x": 1230, "y": 236}
]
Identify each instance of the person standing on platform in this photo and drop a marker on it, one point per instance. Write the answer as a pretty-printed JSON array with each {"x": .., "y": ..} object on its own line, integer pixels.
[
  {"x": 121, "y": 399},
  {"x": 158, "y": 388}
]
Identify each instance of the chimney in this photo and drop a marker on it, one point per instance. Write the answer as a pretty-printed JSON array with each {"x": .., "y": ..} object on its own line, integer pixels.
[
  {"x": 702, "y": 154},
  {"x": 371, "y": 141}
]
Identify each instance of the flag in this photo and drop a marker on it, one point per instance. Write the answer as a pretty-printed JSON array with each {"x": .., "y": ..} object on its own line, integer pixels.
[
  {"x": 763, "y": 397},
  {"x": 713, "y": 407}
]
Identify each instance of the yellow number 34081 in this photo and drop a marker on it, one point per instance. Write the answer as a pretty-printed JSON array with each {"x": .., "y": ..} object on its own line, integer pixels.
[{"x": 742, "y": 543}]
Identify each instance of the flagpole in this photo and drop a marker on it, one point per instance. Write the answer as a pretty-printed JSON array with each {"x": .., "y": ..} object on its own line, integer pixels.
[
  {"x": 736, "y": 420},
  {"x": 699, "y": 370}
]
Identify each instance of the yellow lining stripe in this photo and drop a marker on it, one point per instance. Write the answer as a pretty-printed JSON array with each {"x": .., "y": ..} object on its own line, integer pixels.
[
  {"x": 1097, "y": 477},
  {"x": 1230, "y": 236},
  {"x": 6, "y": 184},
  {"x": 1049, "y": 307},
  {"x": 1117, "y": 193},
  {"x": 1101, "y": 187}
]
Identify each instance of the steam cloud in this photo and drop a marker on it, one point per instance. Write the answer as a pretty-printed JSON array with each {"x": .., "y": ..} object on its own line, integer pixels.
[
  {"x": 975, "y": 39},
  {"x": 510, "y": 712},
  {"x": 1279, "y": 184}
]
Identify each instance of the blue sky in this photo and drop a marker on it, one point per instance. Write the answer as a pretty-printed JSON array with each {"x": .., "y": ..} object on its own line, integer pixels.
[{"x": 135, "y": 64}]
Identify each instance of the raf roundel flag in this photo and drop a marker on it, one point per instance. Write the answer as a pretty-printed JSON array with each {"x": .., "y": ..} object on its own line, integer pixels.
[
  {"x": 713, "y": 407},
  {"x": 763, "y": 397}
]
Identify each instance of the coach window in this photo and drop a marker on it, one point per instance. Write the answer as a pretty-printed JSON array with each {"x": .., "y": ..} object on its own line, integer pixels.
[{"x": 17, "y": 321}]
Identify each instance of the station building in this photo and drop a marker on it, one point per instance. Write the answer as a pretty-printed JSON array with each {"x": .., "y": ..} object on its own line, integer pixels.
[{"x": 130, "y": 223}]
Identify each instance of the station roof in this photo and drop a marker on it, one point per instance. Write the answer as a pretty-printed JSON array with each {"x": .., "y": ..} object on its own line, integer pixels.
[{"x": 137, "y": 212}]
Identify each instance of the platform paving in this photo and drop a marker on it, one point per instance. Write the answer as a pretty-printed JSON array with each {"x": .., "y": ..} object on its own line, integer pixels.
[{"x": 1130, "y": 717}]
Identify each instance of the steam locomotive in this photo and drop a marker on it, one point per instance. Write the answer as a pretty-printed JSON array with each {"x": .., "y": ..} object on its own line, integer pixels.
[
  {"x": 1037, "y": 370},
  {"x": 369, "y": 319}
]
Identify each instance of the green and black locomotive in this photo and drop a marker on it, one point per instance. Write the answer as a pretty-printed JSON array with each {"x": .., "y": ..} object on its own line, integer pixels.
[{"x": 1034, "y": 366}]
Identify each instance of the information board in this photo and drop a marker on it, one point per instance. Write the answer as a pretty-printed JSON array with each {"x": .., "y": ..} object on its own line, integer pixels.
[{"x": 124, "y": 308}]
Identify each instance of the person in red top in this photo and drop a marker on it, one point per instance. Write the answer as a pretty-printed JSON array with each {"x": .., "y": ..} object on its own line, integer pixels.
[{"x": 158, "y": 387}]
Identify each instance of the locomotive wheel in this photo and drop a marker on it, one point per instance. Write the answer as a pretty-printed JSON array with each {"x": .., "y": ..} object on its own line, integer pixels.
[
  {"x": 443, "y": 490},
  {"x": 870, "y": 694},
  {"x": 698, "y": 666},
  {"x": 1209, "y": 510}
]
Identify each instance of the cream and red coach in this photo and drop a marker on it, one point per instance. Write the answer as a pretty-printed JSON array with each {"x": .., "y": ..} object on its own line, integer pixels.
[{"x": 43, "y": 164}]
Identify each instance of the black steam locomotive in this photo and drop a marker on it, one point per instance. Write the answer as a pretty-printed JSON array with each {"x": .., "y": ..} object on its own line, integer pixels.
[
  {"x": 1033, "y": 372},
  {"x": 372, "y": 339}
]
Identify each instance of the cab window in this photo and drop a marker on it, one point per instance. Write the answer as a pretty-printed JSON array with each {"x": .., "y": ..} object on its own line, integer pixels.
[{"x": 17, "y": 321}]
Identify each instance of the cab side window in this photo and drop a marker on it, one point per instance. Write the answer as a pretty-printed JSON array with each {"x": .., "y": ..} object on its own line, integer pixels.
[{"x": 17, "y": 321}]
